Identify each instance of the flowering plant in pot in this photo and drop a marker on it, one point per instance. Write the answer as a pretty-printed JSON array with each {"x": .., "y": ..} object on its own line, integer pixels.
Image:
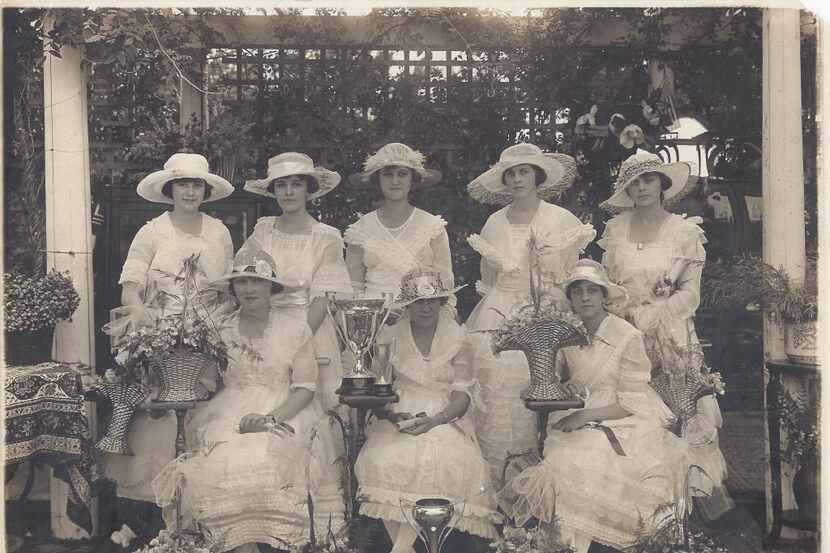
[{"x": 33, "y": 305}]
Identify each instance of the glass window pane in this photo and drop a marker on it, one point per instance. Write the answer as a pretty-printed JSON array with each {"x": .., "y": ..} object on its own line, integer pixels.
[
  {"x": 333, "y": 54},
  {"x": 438, "y": 73},
  {"x": 376, "y": 54},
  {"x": 395, "y": 71},
  {"x": 291, "y": 53},
  {"x": 312, "y": 54},
  {"x": 397, "y": 55},
  {"x": 271, "y": 53},
  {"x": 418, "y": 70},
  {"x": 250, "y": 72},
  {"x": 270, "y": 71},
  {"x": 439, "y": 55},
  {"x": 417, "y": 55},
  {"x": 459, "y": 55},
  {"x": 250, "y": 53}
]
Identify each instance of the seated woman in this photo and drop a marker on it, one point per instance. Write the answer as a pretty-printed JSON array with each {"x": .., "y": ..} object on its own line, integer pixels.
[
  {"x": 425, "y": 445},
  {"x": 611, "y": 465},
  {"x": 264, "y": 443}
]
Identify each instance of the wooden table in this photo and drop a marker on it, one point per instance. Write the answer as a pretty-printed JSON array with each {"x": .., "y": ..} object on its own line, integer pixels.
[
  {"x": 777, "y": 369},
  {"x": 543, "y": 408}
]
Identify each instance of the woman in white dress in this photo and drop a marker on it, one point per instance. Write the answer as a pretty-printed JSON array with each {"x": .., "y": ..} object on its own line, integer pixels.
[
  {"x": 648, "y": 249},
  {"x": 150, "y": 287},
  {"x": 385, "y": 244},
  {"x": 522, "y": 179},
  {"x": 307, "y": 250},
  {"x": 425, "y": 445},
  {"x": 263, "y": 442},
  {"x": 612, "y": 465}
]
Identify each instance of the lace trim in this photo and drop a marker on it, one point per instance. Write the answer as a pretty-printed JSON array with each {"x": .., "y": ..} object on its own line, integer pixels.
[{"x": 503, "y": 262}]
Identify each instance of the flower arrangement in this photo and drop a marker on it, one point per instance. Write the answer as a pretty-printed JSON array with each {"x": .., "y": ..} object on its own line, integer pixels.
[
  {"x": 544, "y": 304},
  {"x": 181, "y": 542},
  {"x": 36, "y": 302},
  {"x": 544, "y": 538},
  {"x": 192, "y": 328}
]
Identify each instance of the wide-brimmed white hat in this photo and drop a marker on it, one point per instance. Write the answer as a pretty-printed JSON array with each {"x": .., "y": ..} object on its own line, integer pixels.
[
  {"x": 590, "y": 270},
  {"x": 560, "y": 172},
  {"x": 422, "y": 284},
  {"x": 183, "y": 166},
  {"x": 256, "y": 263},
  {"x": 396, "y": 153},
  {"x": 294, "y": 163},
  {"x": 646, "y": 162}
]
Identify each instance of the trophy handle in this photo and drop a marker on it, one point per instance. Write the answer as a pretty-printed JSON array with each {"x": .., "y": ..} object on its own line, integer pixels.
[{"x": 389, "y": 299}]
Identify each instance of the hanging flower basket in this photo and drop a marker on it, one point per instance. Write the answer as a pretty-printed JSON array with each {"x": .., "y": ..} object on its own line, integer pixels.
[{"x": 179, "y": 373}]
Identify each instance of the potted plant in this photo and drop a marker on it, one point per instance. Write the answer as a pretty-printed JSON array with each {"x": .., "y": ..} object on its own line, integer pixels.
[
  {"x": 747, "y": 282},
  {"x": 799, "y": 421},
  {"x": 33, "y": 305}
]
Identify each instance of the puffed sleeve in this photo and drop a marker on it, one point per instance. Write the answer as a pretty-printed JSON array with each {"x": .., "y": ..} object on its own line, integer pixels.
[
  {"x": 561, "y": 248},
  {"x": 688, "y": 258},
  {"x": 492, "y": 260},
  {"x": 304, "y": 368},
  {"x": 140, "y": 256},
  {"x": 464, "y": 379},
  {"x": 634, "y": 393},
  {"x": 330, "y": 274}
]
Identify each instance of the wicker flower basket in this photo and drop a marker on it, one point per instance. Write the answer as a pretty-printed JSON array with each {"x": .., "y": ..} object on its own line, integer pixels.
[
  {"x": 540, "y": 341},
  {"x": 179, "y": 373},
  {"x": 124, "y": 398}
]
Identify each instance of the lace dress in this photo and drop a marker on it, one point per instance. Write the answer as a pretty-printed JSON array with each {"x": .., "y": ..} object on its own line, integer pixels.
[
  {"x": 677, "y": 252},
  {"x": 317, "y": 259},
  {"x": 253, "y": 487},
  {"x": 503, "y": 424},
  {"x": 443, "y": 462},
  {"x": 388, "y": 254},
  {"x": 595, "y": 492},
  {"x": 155, "y": 258}
]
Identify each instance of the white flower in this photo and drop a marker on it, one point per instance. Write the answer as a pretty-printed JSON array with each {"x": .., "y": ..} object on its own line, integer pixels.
[{"x": 124, "y": 536}]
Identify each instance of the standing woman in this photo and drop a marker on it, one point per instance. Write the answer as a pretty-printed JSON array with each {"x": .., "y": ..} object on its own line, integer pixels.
[
  {"x": 647, "y": 247},
  {"x": 149, "y": 284},
  {"x": 397, "y": 237},
  {"x": 522, "y": 179},
  {"x": 307, "y": 250}
]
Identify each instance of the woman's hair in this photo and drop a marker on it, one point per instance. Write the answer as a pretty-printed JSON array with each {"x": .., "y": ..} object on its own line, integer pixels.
[
  {"x": 570, "y": 287},
  {"x": 374, "y": 178},
  {"x": 275, "y": 288},
  {"x": 444, "y": 301},
  {"x": 310, "y": 182},
  {"x": 167, "y": 189},
  {"x": 541, "y": 176}
]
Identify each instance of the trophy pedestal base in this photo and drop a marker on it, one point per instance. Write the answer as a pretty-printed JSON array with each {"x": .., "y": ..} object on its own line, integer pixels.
[
  {"x": 383, "y": 390},
  {"x": 355, "y": 386}
]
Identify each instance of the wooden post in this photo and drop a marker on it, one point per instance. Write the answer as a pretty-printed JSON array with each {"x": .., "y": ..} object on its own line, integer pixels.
[
  {"x": 68, "y": 225},
  {"x": 783, "y": 163},
  {"x": 191, "y": 100}
]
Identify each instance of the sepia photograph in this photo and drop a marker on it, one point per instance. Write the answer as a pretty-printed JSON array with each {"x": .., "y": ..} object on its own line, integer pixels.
[{"x": 515, "y": 278}]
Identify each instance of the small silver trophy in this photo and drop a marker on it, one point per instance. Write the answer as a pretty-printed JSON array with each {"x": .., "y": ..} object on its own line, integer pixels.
[
  {"x": 358, "y": 322},
  {"x": 430, "y": 518},
  {"x": 382, "y": 355}
]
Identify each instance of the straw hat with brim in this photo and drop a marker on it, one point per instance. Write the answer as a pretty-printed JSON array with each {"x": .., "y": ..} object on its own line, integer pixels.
[
  {"x": 183, "y": 166},
  {"x": 256, "y": 263},
  {"x": 294, "y": 163},
  {"x": 590, "y": 270},
  {"x": 399, "y": 154},
  {"x": 638, "y": 164},
  {"x": 422, "y": 284},
  {"x": 560, "y": 173}
]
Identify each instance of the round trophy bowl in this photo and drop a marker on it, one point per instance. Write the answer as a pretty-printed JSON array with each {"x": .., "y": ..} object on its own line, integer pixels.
[
  {"x": 383, "y": 390},
  {"x": 357, "y": 385},
  {"x": 432, "y": 513}
]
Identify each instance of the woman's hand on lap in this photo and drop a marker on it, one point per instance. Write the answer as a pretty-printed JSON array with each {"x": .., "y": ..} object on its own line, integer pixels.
[{"x": 253, "y": 422}]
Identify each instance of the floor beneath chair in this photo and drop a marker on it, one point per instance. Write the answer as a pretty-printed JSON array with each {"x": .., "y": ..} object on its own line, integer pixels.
[{"x": 739, "y": 530}]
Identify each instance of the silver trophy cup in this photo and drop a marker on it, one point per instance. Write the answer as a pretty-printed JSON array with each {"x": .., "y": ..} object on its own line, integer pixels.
[
  {"x": 358, "y": 322},
  {"x": 431, "y": 518}
]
